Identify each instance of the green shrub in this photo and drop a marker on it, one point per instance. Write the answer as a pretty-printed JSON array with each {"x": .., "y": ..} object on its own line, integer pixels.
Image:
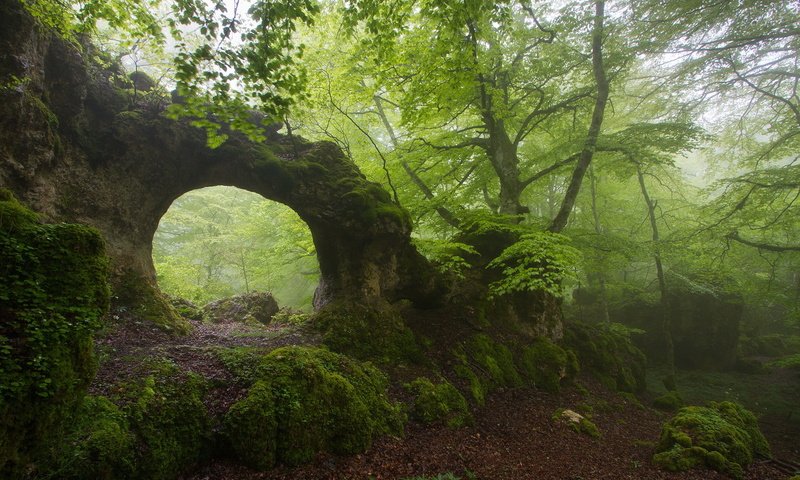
[
  {"x": 53, "y": 295},
  {"x": 438, "y": 402},
  {"x": 307, "y": 400},
  {"x": 723, "y": 436}
]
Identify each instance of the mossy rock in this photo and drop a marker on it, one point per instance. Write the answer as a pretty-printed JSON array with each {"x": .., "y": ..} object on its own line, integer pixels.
[
  {"x": 670, "y": 402},
  {"x": 608, "y": 354},
  {"x": 487, "y": 365},
  {"x": 545, "y": 364},
  {"x": 185, "y": 308},
  {"x": 253, "y": 308},
  {"x": 143, "y": 296},
  {"x": 100, "y": 446},
  {"x": 440, "y": 402},
  {"x": 53, "y": 297},
  {"x": 366, "y": 332},
  {"x": 723, "y": 436},
  {"x": 577, "y": 422},
  {"x": 306, "y": 400},
  {"x": 166, "y": 413}
]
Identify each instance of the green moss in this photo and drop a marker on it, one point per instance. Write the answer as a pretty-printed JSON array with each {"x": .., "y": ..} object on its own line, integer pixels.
[
  {"x": 52, "y": 298},
  {"x": 608, "y": 354},
  {"x": 486, "y": 365},
  {"x": 723, "y": 436},
  {"x": 670, "y": 402},
  {"x": 101, "y": 445},
  {"x": 587, "y": 427},
  {"x": 147, "y": 301},
  {"x": 545, "y": 364},
  {"x": 438, "y": 403},
  {"x": 577, "y": 423},
  {"x": 166, "y": 413},
  {"x": 367, "y": 333},
  {"x": 305, "y": 400}
]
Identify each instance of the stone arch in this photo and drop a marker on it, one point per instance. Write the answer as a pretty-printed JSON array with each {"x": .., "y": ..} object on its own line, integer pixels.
[{"x": 75, "y": 147}]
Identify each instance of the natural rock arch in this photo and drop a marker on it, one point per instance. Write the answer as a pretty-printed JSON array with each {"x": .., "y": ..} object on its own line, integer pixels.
[{"x": 75, "y": 147}]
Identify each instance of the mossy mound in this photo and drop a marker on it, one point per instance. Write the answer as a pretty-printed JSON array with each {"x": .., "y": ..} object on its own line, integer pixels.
[
  {"x": 670, "y": 402},
  {"x": 376, "y": 333},
  {"x": 52, "y": 298},
  {"x": 253, "y": 307},
  {"x": 440, "y": 402},
  {"x": 100, "y": 446},
  {"x": 154, "y": 428},
  {"x": 546, "y": 364},
  {"x": 723, "y": 436},
  {"x": 306, "y": 400},
  {"x": 185, "y": 308},
  {"x": 608, "y": 354},
  {"x": 487, "y": 365}
]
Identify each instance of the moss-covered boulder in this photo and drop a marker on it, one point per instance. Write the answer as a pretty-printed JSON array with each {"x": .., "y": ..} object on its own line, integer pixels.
[
  {"x": 545, "y": 364},
  {"x": 100, "y": 445},
  {"x": 253, "y": 307},
  {"x": 609, "y": 354},
  {"x": 722, "y": 436},
  {"x": 154, "y": 427},
  {"x": 53, "y": 295},
  {"x": 172, "y": 426},
  {"x": 375, "y": 332},
  {"x": 487, "y": 365},
  {"x": 306, "y": 400},
  {"x": 440, "y": 402}
]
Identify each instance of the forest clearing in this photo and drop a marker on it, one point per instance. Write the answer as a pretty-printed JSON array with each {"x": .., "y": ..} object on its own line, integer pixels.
[{"x": 411, "y": 239}]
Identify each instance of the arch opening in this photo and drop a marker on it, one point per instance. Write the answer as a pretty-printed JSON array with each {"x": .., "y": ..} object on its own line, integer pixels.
[{"x": 221, "y": 241}]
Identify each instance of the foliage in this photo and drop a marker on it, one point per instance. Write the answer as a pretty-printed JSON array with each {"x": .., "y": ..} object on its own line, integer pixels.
[
  {"x": 723, "y": 436},
  {"x": 537, "y": 262},
  {"x": 447, "y": 256},
  {"x": 440, "y": 402},
  {"x": 306, "y": 400},
  {"x": 217, "y": 242},
  {"x": 52, "y": 299}
]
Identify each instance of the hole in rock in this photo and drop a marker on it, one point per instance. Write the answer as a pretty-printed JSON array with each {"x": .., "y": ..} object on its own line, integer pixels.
[{"x": 219, "y": 241}]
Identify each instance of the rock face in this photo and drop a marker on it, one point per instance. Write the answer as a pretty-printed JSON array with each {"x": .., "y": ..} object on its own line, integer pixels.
[
  {"x": 705, "y": 328},
  {"x": 75, "y": 146}
]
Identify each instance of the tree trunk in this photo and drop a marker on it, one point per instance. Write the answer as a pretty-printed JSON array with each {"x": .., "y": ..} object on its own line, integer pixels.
[
  {"x": 598, "y": 229},
  {"x": 666, "y": 324},
  {"x": 560, "y": 220}
]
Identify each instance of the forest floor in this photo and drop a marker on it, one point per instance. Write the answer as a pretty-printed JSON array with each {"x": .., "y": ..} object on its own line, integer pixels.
[{"x": 513, "y": 437}]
